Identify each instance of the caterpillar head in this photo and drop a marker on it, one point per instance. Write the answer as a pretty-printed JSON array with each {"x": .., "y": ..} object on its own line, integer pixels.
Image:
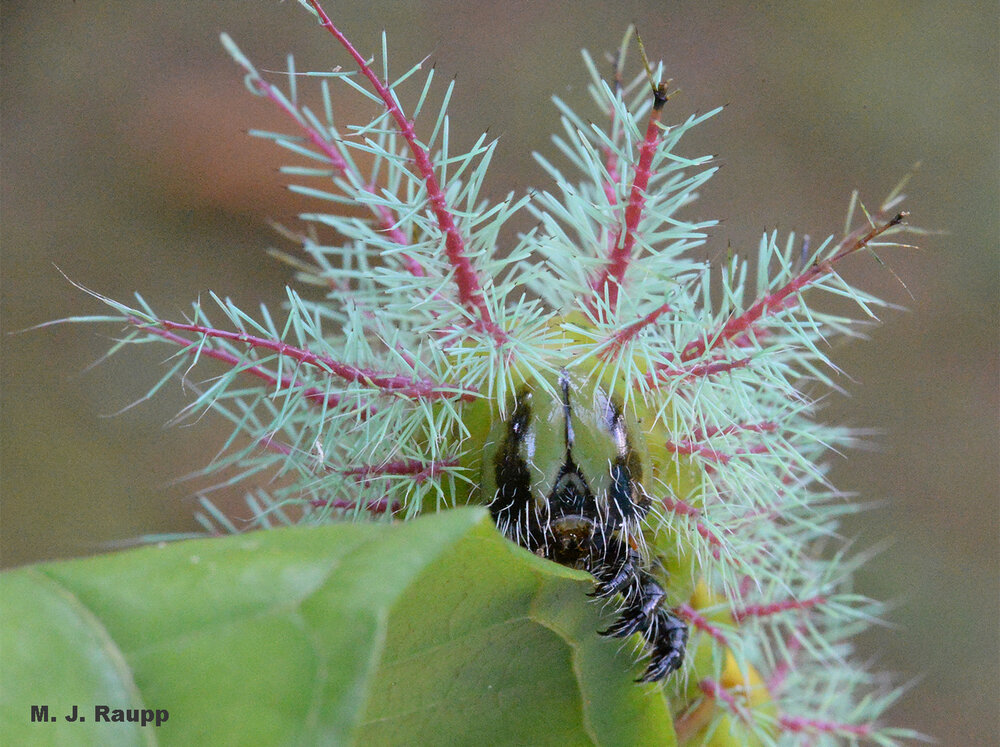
[{"x": 564, "y": 466}]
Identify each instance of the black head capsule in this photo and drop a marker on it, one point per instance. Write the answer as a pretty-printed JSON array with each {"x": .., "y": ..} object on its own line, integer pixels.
[{"x": 564, "y": 474}]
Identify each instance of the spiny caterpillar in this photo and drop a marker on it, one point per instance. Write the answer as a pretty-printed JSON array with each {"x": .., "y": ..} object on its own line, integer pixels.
[{"x": 618, "y": 405}]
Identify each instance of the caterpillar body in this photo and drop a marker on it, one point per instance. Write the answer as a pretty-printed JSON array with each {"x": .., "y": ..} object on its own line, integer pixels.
[{"x": 619, "y": 406}]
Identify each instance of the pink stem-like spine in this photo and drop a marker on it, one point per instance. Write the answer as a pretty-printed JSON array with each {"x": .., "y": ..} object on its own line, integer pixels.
[
  {"x": 623, "y": 336},
  {"x": 712, "y": 367},
  {"x": 609, "y": 281},
  {"x": 418, "y": 470},
  {"x": 683, "y": 508},
  {"x": 470, "y": 291},
  {"x": 765, "y": 610},
  {"x": 784, "y": 297},
  {"x": 385, "y": 216},
  {"x": 400, "y": 385},
  {"x": 714, "y": 689},
  {"x": 313, "y": 394},
  {"x": 707, "y": 452},
  {"x": 702, "y": 623}
]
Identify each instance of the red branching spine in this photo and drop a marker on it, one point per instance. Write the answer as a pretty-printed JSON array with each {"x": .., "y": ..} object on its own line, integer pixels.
[
  {"x": 714, "y": 689},
  {"x": 414, "y": 468},
  {"x": 707, "y": 452},
  {"x": 389, "y": 383},
  {"x": 385, "y": 216},
  {"x": 608, "y": 283},
  {"x": 622, "y": 337},
  {"x": 785, "y": 296},
  {"x": 682, "y": 508},
  {"x": 716, "y": 365},
  {"x": 765, "y": 610},
  {"x": 702, "y": 623},
  {"x": 313, "y": 394},
  {"x": 470, "y": 291}
]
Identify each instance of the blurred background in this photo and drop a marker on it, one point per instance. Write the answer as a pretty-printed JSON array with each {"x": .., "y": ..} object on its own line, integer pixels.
[{"x": 126, "y": 166}]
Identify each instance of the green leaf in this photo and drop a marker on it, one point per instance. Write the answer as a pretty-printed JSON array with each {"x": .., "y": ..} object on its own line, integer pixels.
[{"x": 437, "y": 631}]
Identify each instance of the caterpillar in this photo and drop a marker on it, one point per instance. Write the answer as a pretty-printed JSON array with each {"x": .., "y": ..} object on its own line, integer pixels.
[{"x": 619, "y": 405}]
